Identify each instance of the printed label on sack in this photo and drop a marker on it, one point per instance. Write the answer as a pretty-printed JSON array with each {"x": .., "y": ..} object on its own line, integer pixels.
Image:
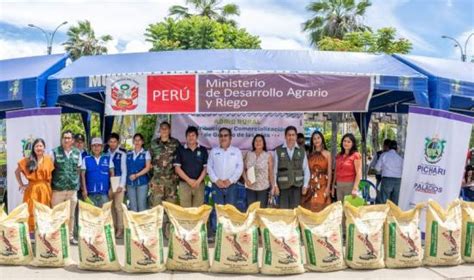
[
  {"x": 24, "y": 240},
  {"x": 268, "y": 248},
  {"x": 128, "y": 245},
  {"x": 160, "y": 234},
  {"x": 310, "y": 248},
  {"x": 392, "y": 240},
  {"x": 350, "y": 245},
  {"x": 434, "y": 239},
  {"x": 255, "y": 245},
  {"x": 217, "y": 254},
  {"x": 64, "y": 241},
  {"x": 469, "y": 237},
  {"x": 110, "y": 242},
  {"x": 204, "y": 242}
]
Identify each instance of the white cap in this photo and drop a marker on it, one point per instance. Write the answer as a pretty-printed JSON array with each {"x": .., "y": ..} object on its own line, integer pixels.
[{"x": 97, "y": 141}]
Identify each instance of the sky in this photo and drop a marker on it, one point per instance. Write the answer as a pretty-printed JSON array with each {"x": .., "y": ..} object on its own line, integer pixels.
[{"x": 277, "y": 22}]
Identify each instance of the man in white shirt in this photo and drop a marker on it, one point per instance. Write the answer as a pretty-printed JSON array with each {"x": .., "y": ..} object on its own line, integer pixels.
[
  {"x": 225, "y": 166},
  {"x": 390, "y": 165},
  {"x": 291, "y": 170}
]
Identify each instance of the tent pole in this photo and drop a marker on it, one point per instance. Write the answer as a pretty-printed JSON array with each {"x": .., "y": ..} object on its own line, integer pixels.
[{"x": 363, "y": 117}]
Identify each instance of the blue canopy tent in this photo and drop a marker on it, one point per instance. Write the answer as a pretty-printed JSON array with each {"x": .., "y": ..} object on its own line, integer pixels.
[
  {"x": 81, "y": 85},
  {"x": 450, "y": 82},
  {"x": 23, "y": 80}
]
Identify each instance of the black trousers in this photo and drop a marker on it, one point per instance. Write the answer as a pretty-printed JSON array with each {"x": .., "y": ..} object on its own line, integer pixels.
[
  {"x": 254, "y": 196},
  {"x": 290, "y": 198}
]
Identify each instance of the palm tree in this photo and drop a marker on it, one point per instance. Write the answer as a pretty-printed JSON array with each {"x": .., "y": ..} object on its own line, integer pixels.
[
  {"x": 82, "y": 41},
  {"x": 207, "y": 8},
  {"x": 334, "y": 18}
]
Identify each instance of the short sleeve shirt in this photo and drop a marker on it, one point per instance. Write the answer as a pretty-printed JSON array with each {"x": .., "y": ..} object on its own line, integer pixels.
[
  {"x": 192, "y": 162},
  {"x": 345, "y": 167}
]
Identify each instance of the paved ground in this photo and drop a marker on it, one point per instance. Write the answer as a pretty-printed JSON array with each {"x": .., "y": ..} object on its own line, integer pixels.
[{"x": 72, "y": 272}]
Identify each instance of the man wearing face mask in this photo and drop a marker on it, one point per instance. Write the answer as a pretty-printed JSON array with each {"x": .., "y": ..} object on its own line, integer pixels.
[
  {"x": 65, "y": 183},
  {"x": 291, "y": 170}
]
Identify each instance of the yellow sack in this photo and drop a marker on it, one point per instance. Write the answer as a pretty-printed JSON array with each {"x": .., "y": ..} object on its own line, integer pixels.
[
  {"x": 403, "y": 237},
  {"x": 282, "y": 252},
  {"x": 443, "y": 234},
  {"x": 467, "y": 250},
  {"x": 144, "y": 240},
  {"x": 322, "y": 235},
  {"x": 187, "y": 247},
  {"x": 364, "y": 236},
  {"x": 52, "y": 235},
  {"x": 15, "y": 244},
  {"x": 97, "y": 238},
  {"x": 236, "y": 249}
]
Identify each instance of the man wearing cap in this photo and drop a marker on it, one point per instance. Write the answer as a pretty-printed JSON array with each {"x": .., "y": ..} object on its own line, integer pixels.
[
  {"x": 65, "y": 183},
  {"x": 79, "y": 143},
  {"x": 96, "y": 172},
  {"x": 119, "y": 158}
]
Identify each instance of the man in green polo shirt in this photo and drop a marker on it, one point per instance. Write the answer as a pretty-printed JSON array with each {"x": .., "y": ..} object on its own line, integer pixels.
[{"x": 67, "y": 162}]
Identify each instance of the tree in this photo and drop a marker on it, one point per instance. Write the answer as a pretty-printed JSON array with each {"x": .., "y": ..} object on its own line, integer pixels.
[
  {"x": 211, "y": 9},
  {"x": 383, "y": 41},
  {"x": 198, "y": 32},
  {"x": 335, "y": 18},
  {"x": 82, "y": 41}
]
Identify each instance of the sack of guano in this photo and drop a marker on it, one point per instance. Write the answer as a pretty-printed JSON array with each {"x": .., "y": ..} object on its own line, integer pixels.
[
  {"x": 52, "y": 235},
  {"x": 187, "y": 245},
  {"x": 15, "y": 245},
  {"x": 236, "y": 248},
  {"x": 322, "y": 235},
  {"x": 144, "y": 240},
  {"x": 467, "y": 250},
  {"x": 443, "y": 234},
  {"x": 364, "y": 236},
  {"x": 403, "y": 237},
  {"x": 97, "y": 238},
  {"x": 282, "y": 252}
]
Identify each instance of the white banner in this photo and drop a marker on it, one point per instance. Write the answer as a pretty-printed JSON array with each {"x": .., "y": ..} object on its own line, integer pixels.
[
  {"x": 435, "y": 159},
  {"x": 244, "y": 127},
  {"x": 23, "y": 127}
]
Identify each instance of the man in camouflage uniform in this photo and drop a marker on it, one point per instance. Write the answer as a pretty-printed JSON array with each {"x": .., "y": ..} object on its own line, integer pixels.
[{"x": 164, "y": 183}]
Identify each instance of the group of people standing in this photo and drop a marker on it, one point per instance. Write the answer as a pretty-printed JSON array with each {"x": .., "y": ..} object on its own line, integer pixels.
[{"x": 148, "y": 177}]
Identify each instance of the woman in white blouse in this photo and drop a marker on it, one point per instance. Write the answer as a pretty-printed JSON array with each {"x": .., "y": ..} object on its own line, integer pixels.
[{"x": 259, "y": 162}]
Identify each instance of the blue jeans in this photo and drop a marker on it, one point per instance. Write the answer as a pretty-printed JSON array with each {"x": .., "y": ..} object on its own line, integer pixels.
[
  {"x": 390, "y": 189},
  {"x": 99, "y": 199},
  {"x": 138, "y": 197},
  {"x": 225, "y": 196}
]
